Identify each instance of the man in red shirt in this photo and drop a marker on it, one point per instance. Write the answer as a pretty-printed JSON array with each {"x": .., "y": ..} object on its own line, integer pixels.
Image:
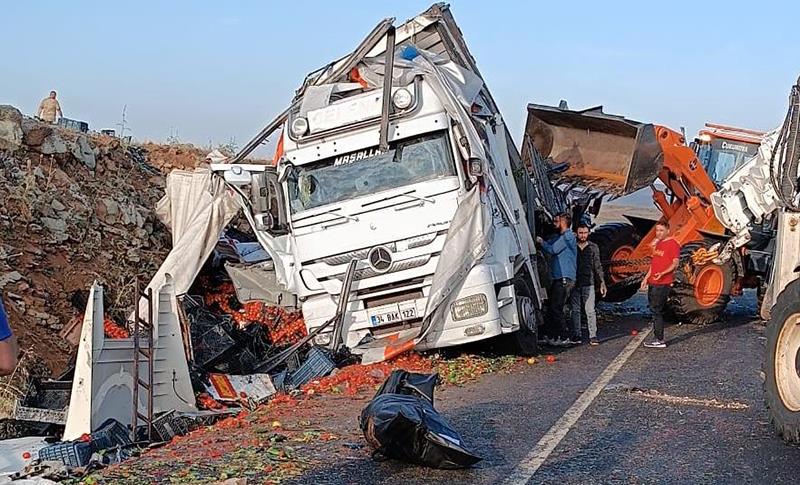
[{"x": 666, "y": 253}]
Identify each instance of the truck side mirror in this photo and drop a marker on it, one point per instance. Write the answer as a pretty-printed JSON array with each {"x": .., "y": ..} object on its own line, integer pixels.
[
  {"x": 266, "y": 222},
  {"x": 267, "y": 199},
  {"x": 284, "y": 170}
]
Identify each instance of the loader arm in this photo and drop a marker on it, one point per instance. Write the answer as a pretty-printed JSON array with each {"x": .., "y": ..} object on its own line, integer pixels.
[{"x": 620, "y": 156}]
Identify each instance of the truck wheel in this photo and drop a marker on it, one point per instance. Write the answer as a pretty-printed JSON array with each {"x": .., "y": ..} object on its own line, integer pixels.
[
  {"x": 700, "y": 292},
  {"x": 526, "y": 339},
  {"x": 781, "y": 379},
  {"x": 617, "y": 242}
]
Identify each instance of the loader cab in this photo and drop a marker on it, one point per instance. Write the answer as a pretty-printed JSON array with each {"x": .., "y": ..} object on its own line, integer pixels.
[{"x": 723, "y": 149}]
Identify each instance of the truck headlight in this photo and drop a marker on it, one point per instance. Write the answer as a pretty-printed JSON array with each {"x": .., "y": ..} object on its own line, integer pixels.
[
  {"x": 469, "y": 307},
  {"x": 299, "y": 126},
  {"x": 402, "y": 99}
]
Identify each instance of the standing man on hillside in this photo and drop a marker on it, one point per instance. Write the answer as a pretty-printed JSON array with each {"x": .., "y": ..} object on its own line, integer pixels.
[
  {"x": 8, "y": 345},
  {"x": 658, "y": 281},
  {"x": 589, "y": 277},
  {"x": 564, "y": 252},
  {"x": 49, "y": 109}
]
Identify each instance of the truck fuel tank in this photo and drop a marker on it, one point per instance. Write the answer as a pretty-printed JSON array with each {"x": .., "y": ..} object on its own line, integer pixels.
[{"x": 608, "y": 152}]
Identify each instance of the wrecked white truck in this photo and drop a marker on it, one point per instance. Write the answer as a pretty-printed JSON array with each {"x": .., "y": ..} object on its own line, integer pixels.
[{"x": 396, "y": 156}]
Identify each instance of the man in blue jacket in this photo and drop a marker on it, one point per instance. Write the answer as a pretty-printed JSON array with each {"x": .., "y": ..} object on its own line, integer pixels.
[
  {"x": 563, "y": 250},
  {"x": 8, "y": 345}
]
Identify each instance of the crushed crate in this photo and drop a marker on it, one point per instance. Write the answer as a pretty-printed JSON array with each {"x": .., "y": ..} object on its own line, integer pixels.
[
  {"x": 212, "y": 346},
  {"x": 76, "y": 125},
  {"x": 44, "y": 402},
  {"x": 72, "y": 454},
  {"x": 318, "y": 364},
  {"x": 110, "y": 434},
  {"x": 169, "y": 425},
  {"x": 48, "y": 394},
  {"x": 37, "y": 415}
]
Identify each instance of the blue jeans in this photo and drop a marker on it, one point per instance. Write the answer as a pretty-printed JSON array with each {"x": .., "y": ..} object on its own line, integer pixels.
[{"x": 582, "y": 302}]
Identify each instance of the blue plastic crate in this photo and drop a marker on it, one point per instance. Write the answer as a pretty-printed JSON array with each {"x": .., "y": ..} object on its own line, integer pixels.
[
  {"x": 110, "y": 434},
  {"x": 72, "y": 454},
  {"x": 318, "y": 364}
]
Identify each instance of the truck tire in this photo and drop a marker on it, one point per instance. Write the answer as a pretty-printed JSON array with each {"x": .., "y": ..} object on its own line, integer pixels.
[
  {"x": 526, "y": 339},
  {"x": 616, "y": 242},
  {"x": 700, "y": 293},
  {"x": 781, "y": 379}
]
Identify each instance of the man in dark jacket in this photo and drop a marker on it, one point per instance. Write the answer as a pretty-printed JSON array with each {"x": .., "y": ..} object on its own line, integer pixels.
[
  {"x": 563, "y": 252},
  {"x": 589, "y": 278}
]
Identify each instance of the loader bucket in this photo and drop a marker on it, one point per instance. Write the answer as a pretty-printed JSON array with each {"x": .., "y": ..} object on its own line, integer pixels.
[{"x": 605, "y": 151}]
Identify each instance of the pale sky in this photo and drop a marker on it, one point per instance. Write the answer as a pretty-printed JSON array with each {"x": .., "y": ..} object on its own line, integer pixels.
[{"x": 212, "y": 71}]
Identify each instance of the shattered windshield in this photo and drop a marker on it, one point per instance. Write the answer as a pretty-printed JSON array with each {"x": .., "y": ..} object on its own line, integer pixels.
[{"x": 369, "y": 171}]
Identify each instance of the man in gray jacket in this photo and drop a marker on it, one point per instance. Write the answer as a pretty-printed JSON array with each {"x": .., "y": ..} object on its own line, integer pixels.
[{"x": 589, "y": 278}]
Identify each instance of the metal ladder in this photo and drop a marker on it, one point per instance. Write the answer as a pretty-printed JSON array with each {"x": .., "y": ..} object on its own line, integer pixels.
[{"x": 143, "y": 327}]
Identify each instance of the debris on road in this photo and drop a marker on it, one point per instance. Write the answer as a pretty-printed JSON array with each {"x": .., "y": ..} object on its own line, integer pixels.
[
  {"x": 401, "y": 423},
  {"x": 654, "y": 395},
  {"x": 251, "y": 389}
]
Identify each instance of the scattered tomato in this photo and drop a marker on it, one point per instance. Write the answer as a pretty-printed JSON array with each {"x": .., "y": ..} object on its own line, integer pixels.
[{"x": 550, "y": 359}]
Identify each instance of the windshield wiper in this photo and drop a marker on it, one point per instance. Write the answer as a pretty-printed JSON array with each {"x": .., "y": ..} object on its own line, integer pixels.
[
  {"x": 407, "y": 194},
  {"x": 416, "y": 197},
  {"x": 336, "y": 213}
]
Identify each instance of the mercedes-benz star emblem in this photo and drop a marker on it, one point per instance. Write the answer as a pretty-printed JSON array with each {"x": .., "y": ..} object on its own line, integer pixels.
[{"x": 380, "y": 258}]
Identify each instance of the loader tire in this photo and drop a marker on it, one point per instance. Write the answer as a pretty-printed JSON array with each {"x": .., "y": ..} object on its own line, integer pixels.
[
  {"x": 700, "y": 293},
  {"x": 781, "y": 379},
  {"x": 526, "y": 339},
  {"x": 616, "y": 242},
  {"x": 761, "y": 293}
]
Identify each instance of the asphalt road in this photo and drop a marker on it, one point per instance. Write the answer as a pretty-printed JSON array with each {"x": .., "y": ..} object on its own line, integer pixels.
[{"x": 691, "y": 413}]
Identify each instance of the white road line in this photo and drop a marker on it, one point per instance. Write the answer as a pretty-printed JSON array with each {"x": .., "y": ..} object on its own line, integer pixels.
[{"x": 531, "y": 463}]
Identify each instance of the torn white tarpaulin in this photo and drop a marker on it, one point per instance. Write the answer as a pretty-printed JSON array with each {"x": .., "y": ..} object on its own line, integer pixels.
[
  {"x": 258, "y": 282},
  {"x": 16, "y": 454},
  {"x": 197, "y": 207}
]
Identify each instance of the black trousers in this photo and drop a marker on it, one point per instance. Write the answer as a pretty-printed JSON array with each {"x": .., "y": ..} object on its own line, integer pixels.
[
  {"x": 560, "y": 290},
  {"x": 657, "y": 298}
]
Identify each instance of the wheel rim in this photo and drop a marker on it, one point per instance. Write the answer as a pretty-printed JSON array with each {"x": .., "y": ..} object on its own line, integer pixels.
[
  {"x": 708, "y": 285},
  {"x": 787, "y": 378},
  {"x": 619, "y": 273},
  {"x": 527, "y": 314}
]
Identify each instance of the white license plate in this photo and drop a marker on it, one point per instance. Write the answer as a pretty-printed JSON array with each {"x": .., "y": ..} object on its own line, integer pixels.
[{"x": 394, "y": 314}]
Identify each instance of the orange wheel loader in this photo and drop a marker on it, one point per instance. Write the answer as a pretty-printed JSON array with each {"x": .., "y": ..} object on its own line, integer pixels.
[{"x": 620, "y": 156}]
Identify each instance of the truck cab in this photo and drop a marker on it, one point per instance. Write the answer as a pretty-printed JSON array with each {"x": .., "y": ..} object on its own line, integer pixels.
[
  {"x": 417, "y": 180},
  {"x": 722, "y": 149}
]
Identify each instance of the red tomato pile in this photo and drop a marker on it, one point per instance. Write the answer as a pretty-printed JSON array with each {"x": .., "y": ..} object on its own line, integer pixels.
[
  {"x": 112, "y": 330},
  {"x": 205, "y": 401},
  {"x": 283, "y": 327},
  {"x": 353, "y": 378}
]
